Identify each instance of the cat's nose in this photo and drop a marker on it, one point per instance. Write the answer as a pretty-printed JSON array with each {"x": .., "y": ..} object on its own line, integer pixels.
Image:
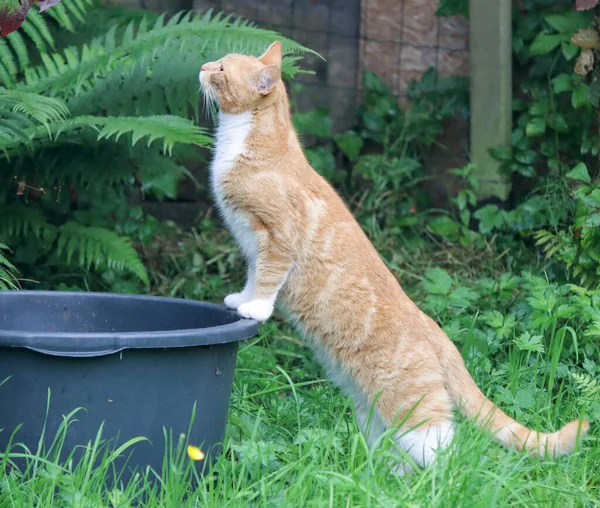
[{"x": 204, "y": 67}]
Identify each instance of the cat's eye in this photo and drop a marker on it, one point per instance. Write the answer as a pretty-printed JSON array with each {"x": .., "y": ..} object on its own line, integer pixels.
[{"x": 221, "y": 69}]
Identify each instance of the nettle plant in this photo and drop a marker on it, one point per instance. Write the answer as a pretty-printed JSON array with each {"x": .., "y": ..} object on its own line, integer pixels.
[
  {"x": 82, "y": 126},
  {"x": 521, "y": 326}
]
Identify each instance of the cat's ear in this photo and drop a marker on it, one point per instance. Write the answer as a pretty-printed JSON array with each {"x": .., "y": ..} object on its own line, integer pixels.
[
  {"x": 267, "y": 79},
  {"x": 273, "y": 55}
]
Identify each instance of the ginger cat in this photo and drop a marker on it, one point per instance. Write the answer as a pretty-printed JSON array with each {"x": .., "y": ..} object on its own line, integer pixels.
[{"x": 303, "y": 245}]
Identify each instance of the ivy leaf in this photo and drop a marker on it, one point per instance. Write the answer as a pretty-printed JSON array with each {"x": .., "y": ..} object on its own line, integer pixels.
[
  {"x": 536, "y": 127},
  {"x": 544, "y": 43},
  {"x": 580, "y": 172},
  {"x": 568, "y": 22},
  {"x": 580, "y": 96},
  {"x": 569, "y": 50},
  {"x": 561, "y": 83}
]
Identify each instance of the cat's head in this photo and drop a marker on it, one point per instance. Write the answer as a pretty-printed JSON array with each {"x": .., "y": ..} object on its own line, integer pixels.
[{"x": 241, "y": 83}]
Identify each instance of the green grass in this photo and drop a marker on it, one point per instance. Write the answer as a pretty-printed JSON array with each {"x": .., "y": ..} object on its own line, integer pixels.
[{"x": 292, "y": 439}]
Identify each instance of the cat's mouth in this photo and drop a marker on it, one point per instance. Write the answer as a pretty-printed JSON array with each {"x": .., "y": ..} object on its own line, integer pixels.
[{"x": 210, "y": 97}]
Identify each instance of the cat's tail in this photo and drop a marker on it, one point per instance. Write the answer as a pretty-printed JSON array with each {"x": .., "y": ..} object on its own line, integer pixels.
[{"x": 474, "y": 404}]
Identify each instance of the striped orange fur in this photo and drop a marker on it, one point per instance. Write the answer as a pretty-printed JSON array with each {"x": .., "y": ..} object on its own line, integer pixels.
[{"x": 304, "y": 247}]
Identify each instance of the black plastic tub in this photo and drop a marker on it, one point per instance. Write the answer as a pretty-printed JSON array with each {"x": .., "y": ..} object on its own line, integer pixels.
[{"x": 135, "y": 363}]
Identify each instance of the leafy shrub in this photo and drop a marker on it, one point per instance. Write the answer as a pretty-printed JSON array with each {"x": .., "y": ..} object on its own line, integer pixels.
[{"x": 377, "y": 164}]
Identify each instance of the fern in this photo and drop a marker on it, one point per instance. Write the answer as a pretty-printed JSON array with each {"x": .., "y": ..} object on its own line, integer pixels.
[
  {"x": 100, "y": 247},
  {"x": 169, "y": 129},
  {"x": 588, "y": 387},
  {"x": 7, "y": 271},
  {"x": 76, "y": 122},
  {"x": 19, "y": 221}
]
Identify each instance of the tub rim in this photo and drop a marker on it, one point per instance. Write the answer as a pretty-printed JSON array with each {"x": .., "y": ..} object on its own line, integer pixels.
[{"x": 82, "y": 344}]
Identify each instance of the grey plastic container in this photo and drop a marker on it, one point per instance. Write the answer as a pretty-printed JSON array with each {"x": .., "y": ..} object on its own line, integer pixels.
[{"x": 136, "y": 363}]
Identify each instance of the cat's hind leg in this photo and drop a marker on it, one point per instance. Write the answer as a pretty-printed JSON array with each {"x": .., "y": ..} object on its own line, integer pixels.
[
  {"x": 426, "y": 429},
  {"x": 423, "y": 443}
]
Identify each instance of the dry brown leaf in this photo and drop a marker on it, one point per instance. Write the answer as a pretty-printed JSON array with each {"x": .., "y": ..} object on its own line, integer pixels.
[{"x": 585, "y": 63}]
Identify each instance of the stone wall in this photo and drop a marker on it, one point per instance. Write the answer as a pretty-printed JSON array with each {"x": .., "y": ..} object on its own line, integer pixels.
[{"x": 401, "y": 39}]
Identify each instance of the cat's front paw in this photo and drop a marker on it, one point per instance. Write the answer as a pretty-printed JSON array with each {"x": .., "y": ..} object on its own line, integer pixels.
[
  {"x": 259, "y": 310},
  {"x": 234, "y": 300}
]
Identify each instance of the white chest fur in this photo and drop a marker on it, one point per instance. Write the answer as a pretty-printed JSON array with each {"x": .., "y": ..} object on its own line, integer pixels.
[{"x": 231, "y": 135}]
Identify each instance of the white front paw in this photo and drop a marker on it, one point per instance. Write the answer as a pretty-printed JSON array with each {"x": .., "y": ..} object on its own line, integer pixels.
[
  {"x": 260, "y": 310},
  {"x": 234, "y": 300}
]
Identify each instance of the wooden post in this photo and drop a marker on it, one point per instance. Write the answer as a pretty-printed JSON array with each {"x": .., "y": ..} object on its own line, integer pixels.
[{"x": 491, "y": 90}]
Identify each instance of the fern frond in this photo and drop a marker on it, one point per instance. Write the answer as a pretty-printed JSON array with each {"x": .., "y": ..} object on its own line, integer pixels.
[
  {"x": 19, "y": 221},
  {"x": 170, "y": 129},
  {"x": 100, "y": 247},
  {"x": 7, "y": 271},
  {"x": 588, "y": 386},
  {"x": 36, "y": 28},
  {"x": 551, "y": 243},
  {"x": 200, "y": 36},
  {"x": 39, "y": 107}
]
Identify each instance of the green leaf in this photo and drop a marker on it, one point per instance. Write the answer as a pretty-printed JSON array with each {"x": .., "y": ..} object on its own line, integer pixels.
[
  {"x": 580, "y": 173},
  {"x": 527, "y": 157},
  {"x": 557, "y": 122},
  {"x": 322, "y": 161},
  {"x": 593, "y": 220},
  {"x": 580, "y": 96},
  {"x": 524, "y": 400},
  {"x": 567, "y": 23},
  {"x": 490, "y": 218},
  {"x": 526, "y": 342},
  {"x": 562, "y": 83},
  {"x": 501, "y": 153},
  {"x": 315, "y": 122},
  {"x": 437, "y": 281},
  {"x": 544, "y": 43},
  {"x": 569, "y": 50},
  {"x": 350, "y": 143},
  {"x": 444, "y": 226},
  {"x": 536, "y": 127},
  {"x": 100, "y": 247}
]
